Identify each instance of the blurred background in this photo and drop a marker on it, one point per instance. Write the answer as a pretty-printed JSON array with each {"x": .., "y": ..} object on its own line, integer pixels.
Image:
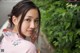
[{"x": 5, "y": 9}]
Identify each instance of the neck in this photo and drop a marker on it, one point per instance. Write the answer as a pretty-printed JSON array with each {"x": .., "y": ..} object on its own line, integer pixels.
[{"x": 15, "y": 30}]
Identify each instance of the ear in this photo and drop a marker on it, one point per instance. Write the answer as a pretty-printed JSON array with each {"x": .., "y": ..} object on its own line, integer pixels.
[{"x": 15, "y": 20}]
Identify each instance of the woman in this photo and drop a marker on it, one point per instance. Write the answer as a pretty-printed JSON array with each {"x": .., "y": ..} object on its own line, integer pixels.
[{"x": 25, "y": 22}]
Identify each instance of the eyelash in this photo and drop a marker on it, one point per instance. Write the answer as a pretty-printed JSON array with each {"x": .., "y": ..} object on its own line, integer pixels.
[
  {"x": 28, "y": 20},
  {"x": 36, "y": 20}
]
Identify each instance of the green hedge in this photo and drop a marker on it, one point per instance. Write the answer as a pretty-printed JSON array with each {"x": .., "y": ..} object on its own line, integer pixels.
[{"x": 61, "y": 24}]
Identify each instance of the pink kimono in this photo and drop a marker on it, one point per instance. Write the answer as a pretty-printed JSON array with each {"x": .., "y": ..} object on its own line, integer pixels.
[{"x": 13, "y": 43}]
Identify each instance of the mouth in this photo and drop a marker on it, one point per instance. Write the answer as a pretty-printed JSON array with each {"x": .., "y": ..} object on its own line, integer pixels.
[{"x": 31, "y": 31}]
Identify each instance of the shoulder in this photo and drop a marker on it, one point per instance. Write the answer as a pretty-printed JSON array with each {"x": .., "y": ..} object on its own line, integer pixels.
[{"x": 28, "y": 46}]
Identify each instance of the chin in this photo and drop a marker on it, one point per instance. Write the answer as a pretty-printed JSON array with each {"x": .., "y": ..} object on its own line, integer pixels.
[{"x": 28, "y": 35}]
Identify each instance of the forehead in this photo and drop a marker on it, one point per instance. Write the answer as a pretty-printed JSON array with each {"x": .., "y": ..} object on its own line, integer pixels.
[{"x": 32, "y": 13}]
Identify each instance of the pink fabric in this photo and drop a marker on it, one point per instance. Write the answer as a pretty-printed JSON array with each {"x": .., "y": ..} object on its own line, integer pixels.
[{"x": 12, "y": 43}]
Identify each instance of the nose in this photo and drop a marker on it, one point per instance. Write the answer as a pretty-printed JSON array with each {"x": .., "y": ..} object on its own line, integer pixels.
[{"x": 32, "y": 25}]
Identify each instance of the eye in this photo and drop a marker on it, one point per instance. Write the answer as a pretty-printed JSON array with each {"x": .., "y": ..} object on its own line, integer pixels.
[
  {"x": 37, "y": 20},
  {"x": 28, "y": 20}
]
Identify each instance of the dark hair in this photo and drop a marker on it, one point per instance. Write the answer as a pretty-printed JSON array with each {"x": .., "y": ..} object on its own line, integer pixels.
[{"x": 22, "y": 8}]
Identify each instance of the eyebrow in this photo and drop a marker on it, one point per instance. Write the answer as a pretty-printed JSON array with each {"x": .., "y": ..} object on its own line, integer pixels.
[
  {"x": 29, "y": 16},
  {"x": 32, "y": 17}
]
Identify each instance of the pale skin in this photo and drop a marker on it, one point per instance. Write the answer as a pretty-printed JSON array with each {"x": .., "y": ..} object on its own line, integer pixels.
[{"x": 30, "y": 23}]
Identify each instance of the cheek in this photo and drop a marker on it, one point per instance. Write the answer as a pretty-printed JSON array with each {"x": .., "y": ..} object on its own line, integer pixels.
[
  {"x": 24, "y": 27},
  {"x": 37, "y": 26}
]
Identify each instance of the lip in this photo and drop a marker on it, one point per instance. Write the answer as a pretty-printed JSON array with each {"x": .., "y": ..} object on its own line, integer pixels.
[{"x": 30, "y": 31}]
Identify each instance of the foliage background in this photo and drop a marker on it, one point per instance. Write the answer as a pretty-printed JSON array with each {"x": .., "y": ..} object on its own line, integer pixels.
[{"x": 61, "y": 23}]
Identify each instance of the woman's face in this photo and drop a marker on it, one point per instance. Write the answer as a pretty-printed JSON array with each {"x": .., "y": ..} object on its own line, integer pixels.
[{"x": 30, "y": 22}]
